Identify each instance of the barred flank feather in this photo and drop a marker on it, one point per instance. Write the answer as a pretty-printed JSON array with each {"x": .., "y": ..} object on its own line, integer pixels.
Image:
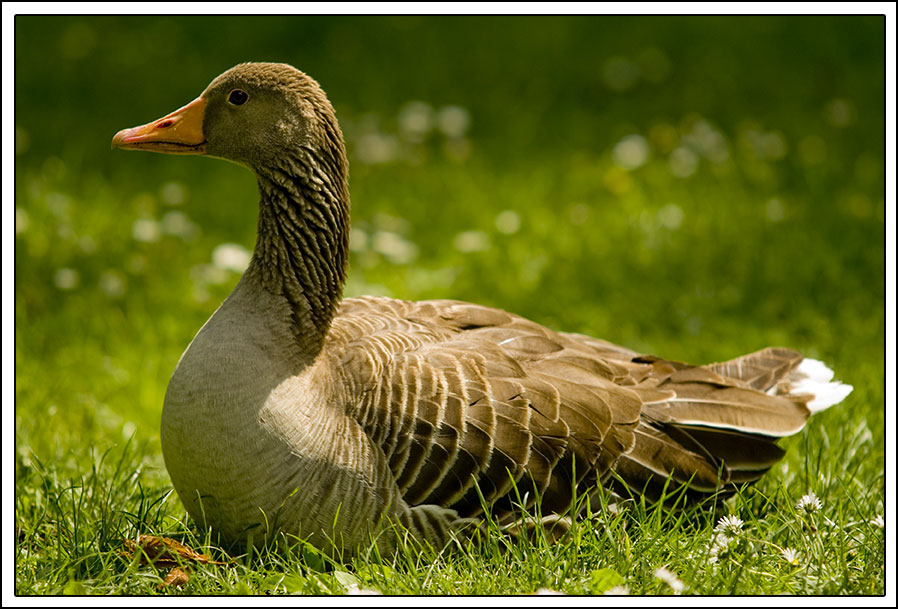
[{"x": 532, "y": 403}]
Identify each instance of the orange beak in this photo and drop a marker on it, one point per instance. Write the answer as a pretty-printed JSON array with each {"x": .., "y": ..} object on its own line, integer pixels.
[{"x": 181, "y": 132}]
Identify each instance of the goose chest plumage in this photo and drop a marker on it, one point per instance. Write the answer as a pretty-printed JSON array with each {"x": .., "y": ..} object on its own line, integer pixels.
[{"x": 333, "y": 420}]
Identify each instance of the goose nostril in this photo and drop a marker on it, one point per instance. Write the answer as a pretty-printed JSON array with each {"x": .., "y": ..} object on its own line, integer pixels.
[{"x": 165, "y": 124}]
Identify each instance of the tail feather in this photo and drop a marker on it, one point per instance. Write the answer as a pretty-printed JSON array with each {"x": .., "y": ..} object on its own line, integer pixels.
[
  {"x": 730, "y": 408},
  {"x": 720, "y": 430},
  {"x": 813, "y": 380},
  {"x": 739, "y": 451},
  {"x": 760, "y": 370},
  {"x": 661, "y": 454}
]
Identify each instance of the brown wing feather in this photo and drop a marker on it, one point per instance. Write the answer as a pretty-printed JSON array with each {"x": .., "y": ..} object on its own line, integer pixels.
[
  {"x": 457, "y": 395},
  {"x": 467, "y": 401},
  {"x": 760, "y": 370}
]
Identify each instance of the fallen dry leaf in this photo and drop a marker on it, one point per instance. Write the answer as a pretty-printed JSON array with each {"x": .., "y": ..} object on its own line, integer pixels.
[
  {"x": 176, "y": 577},
  {"x": 164, "y": 552}
]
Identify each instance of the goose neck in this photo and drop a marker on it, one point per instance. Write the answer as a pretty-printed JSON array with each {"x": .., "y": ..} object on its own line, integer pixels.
[{"x": 301, "y": 252}]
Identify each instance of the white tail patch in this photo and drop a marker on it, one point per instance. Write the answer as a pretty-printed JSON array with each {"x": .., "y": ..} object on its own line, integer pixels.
[{"x": 812, "y": 377}]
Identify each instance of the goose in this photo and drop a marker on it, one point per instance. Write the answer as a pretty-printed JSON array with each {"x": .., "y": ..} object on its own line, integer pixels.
[{"x": 344, "y": 422}]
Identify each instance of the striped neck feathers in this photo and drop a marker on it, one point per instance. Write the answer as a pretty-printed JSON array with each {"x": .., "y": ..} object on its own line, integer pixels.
[{"x": 303, "y": 238}]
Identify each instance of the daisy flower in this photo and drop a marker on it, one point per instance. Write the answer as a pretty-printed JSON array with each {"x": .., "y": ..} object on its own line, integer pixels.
[
  {"x": 719, "y": 547},
  {"x": 809, "y": 503},
  {"x": 790, "y": 556},
  {"x": 729, "y": 525},
  {"x": 670, "y": 578}
]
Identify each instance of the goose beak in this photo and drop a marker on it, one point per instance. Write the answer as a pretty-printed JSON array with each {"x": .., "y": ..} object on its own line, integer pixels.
[{"x": 181, "y": 132}]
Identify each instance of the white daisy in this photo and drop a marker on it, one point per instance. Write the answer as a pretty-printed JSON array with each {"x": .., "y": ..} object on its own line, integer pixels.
[
  {"x": 356, "y": 591},
  {"x": 729, "y": 525},
  {"x": 670, "y": 578},
  {"x": 809, "y": 503},
  {"x": 790, "y": 556},
  {"x": 719, "y": 547}
]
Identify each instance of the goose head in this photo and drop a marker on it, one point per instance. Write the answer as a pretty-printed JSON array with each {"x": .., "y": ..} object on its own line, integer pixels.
[{"x": 255, "y": 114}]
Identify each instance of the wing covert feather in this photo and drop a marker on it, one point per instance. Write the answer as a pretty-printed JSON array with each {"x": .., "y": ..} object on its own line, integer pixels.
[
  {"x": 467, "y": 401},
  {"x": 458, "y": 395}
]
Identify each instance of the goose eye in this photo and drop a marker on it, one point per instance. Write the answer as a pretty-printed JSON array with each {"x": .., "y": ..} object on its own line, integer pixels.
[{"x": 238, "y": 97}]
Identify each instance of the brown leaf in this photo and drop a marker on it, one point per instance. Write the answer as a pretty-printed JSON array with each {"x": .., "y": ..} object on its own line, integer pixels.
[
  {"x": 176, "y": 577},
  {"x": 164, "y": 552}
]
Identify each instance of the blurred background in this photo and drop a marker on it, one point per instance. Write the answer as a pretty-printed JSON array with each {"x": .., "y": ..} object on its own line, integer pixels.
[{"x": 696, "y": 187}]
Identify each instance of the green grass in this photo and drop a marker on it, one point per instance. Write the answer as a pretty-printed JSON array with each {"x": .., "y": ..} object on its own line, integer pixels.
[
  {"x": 779, "y": 242},
  {"x": 76, "y": 527}
]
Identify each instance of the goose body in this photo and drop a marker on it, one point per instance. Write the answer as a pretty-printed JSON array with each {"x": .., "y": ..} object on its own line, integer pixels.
[{"x": 295, "y": 411}]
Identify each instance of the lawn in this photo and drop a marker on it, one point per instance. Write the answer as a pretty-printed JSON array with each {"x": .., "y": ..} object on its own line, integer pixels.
[{"x": 693, "y": 187}]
